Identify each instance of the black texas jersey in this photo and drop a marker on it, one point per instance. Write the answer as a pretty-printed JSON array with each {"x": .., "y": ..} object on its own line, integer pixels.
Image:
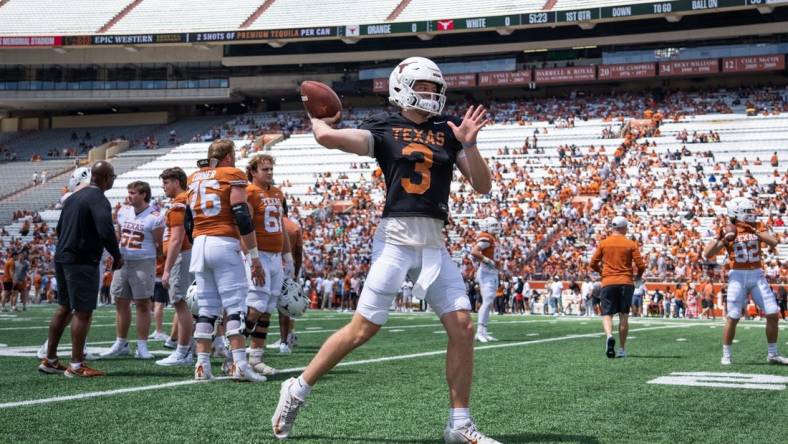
[{"x": 417, "y": 163}]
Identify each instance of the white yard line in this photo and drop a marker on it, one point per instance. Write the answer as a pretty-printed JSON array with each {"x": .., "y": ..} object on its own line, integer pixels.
[{"x": 87, "y": 395}]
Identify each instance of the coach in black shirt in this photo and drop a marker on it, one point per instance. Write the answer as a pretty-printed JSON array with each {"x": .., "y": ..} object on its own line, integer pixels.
[{"x": 84, "y": 230}]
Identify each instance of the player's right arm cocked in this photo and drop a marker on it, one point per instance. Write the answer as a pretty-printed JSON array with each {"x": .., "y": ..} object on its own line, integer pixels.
[{"x": 349, "y": 140}]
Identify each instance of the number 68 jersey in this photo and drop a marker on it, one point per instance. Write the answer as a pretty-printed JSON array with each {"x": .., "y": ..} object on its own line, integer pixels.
[
  {"x": 744, "y": 253},
  {"x": 209, "y": 199},
  {"x": 417, "y": 162}
]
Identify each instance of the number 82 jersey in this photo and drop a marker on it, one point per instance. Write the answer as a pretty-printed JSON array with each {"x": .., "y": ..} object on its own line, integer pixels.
[
  {"x": 209, "y": 199},
  {"x": 744, "y": 253},
  {"x": 417, "y": 162}
]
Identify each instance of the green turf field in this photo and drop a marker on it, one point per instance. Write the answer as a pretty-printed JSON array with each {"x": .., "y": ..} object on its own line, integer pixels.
[{"x": 546, "y": 380}]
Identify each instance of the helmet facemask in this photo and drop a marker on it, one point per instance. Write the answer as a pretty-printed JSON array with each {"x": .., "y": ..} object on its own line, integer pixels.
[{"x": 403, "y": 80}]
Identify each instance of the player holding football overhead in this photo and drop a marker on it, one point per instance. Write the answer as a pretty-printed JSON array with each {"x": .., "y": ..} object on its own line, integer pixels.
[
  {"x": 746, "y": 275},
  {"x": 417, "y": 150},
  {"x": 218, "y": 202},
  {"x": 266, "y": 202},
  {"x": 487, "y": 273}
]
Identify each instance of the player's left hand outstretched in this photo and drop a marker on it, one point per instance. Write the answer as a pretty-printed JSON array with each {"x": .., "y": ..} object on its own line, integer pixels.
[{"x": 474, "y": 120}]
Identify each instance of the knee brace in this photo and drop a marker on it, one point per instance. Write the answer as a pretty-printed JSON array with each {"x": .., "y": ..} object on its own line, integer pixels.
[
  {"x": 203, "y": 328},
  {"x": 236, "y": 325},
  {"x": 260, "y": 330}
]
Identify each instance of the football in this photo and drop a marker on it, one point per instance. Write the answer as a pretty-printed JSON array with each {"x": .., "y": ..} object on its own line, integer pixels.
[
  {"x": 730, "y": 233},
  {"x": 319, "y": 99}
]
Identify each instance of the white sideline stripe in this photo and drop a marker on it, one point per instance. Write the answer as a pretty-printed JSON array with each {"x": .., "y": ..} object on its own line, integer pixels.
[{"x": 87, "y": 395}]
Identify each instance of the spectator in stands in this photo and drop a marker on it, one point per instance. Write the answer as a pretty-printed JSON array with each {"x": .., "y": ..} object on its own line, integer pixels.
[
  {"x": 617, "y": 259},
  {"x": 84, "y": 230}
]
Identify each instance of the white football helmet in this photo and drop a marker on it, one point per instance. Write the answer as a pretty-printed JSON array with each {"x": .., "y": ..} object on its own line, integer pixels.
[
  {"x": 741, "y": 209},
  {"x": 79, "y": 177},
  {"x": 191, "y": 299},
  {"x": 404, "y": 77},
  {"x": 490, "y": 225},
  {"x": 292, "y": 301}
]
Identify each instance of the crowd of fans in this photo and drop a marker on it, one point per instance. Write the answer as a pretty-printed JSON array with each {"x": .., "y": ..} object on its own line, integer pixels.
[{"x": 553, "y": 209}]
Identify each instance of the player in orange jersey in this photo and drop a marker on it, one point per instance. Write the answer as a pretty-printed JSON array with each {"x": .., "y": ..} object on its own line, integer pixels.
[
  {"x": 176, "y": 277},
  {"x": 487, "y": 273},
  {"x": 746, "y": 275},
  {"x": 217, "y": 199},
  {"x": 266, "y": 202}
]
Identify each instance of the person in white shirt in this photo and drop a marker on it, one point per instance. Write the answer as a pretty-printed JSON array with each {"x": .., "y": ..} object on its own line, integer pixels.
[
  {"x": 585, "y": 294},
  {"x": 140, "y": 229},
  {"x": 555, "y": 295}
]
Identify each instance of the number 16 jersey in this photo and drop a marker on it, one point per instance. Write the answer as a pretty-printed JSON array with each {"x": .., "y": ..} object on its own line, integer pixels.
[{"x": 417, "y": 162}]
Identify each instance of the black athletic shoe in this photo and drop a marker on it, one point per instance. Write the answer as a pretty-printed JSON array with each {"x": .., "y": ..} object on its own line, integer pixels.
[{"x": 610, "y": 348}]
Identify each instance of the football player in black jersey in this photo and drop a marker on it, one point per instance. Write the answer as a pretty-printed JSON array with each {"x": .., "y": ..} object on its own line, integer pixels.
[{"x": 417, "y": 150}]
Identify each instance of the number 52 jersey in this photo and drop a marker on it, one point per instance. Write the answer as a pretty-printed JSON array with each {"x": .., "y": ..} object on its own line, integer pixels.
[
  {"x": 136, "y": 232},
  {"x": 417, "y": 162}
]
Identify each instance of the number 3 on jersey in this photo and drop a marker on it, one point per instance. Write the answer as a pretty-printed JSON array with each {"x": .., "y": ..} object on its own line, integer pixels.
[
  {"x": 422, "y": 168},
  {"x": 205, "y": 197}
]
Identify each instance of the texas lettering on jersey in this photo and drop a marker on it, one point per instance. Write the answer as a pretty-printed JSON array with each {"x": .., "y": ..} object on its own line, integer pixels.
[
  {"x": 267, "y": 217},
  {"x": 417, "y": 162},
  {"x": 209, "y": 200},
  {"x": 136, "y": 232}
]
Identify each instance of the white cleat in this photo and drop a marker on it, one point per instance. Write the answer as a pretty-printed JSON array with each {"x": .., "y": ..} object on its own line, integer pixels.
[
  {"x": 286, "y": 410},
  {"x": 144, "y": 354},
  {"x": 489, "y": 338},
  {"x": 284, "y": 348},
  {"x": 42, "y": 351},
  {"x": 466, "y": 434},
  {"x": 726, "y": 360},
  {"x": 621, "y": 353},
  {"x": 777, "y": 359},
  {"x": 274, "y": 345},
  {"x": 169, "y": 343},
  {"x": 202, "y": 372},
  {"x": 248, "y": 375},
  {"x": 158, "y": 336},
  {"x": 176, "y": 359},
  {"x": 116, "y": 350},
  {"x": 263, "y": 369},
  {"x": 481, "y": 338}
]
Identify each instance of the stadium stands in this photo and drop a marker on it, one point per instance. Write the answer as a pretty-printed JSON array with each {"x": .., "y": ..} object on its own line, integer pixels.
[
  {"x": 323, "y": 13},
  {"x": 185, "y": 16},
  {"x": 43, "y": 142},
  {"x": 561, "y": 169},
  {"x": 45, "y": 17}
]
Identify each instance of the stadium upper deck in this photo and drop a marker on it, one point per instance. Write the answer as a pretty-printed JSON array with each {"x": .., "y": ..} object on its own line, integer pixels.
[{"x": 343, "y": 17}]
